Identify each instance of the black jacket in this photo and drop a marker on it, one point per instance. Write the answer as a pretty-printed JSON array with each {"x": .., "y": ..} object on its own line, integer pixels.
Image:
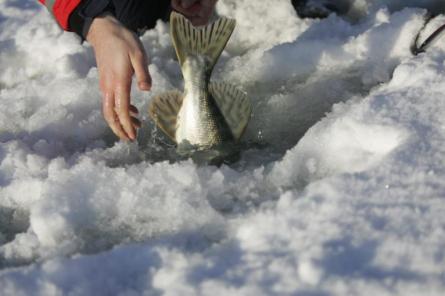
[{"x": 136, "y": 15}]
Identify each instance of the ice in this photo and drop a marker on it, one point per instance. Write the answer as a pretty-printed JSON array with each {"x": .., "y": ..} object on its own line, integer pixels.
[{"x": 339, "y": 189}]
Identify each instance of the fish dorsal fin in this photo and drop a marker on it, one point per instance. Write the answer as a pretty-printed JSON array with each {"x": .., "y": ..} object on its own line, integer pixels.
[
  {"x": 164, "y": 109},
  {"x": 234, "y": 105},
  {"x": 208, "y": 41}
]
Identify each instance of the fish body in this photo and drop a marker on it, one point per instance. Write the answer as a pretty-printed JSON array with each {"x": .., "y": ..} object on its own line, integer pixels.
[
  {"x": 206, "y": 114},
  {"x": 199, "y": 121}
]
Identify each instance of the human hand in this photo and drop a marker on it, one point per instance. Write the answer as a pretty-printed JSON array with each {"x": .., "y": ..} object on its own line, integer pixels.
[
  {"x": 119, "y": 55},
  {"x": 198, "y": 12}
]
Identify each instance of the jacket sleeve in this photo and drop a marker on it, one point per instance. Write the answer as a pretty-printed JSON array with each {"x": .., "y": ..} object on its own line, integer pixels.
[
  {"x": 61, "y": 10},
  {"x": 136, "y": 15}
]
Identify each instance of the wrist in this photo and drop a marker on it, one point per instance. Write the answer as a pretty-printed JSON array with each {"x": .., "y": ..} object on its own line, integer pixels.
[
  {"x": 99, "y": 26},
  {"x": 85, "y": 12}
]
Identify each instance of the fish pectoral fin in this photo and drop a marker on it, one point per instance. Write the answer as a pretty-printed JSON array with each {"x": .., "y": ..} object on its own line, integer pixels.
[
  {"x": 164, "y": 109},
  {"x": 234, "y": 105},
  {"x": 209, "y": 41}
]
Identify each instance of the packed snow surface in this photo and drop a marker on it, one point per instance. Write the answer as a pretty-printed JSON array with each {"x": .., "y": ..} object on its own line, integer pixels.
[{"x": 339, "y": 191}]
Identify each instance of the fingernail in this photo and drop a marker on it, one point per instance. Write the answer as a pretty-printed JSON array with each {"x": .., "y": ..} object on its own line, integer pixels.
[{"x": 144, "y": 85}]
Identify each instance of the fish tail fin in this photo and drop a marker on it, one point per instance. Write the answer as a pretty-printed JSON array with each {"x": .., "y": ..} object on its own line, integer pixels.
[
  {"x": 209, "y": 40},
  {"x": 164, "y": 109}
]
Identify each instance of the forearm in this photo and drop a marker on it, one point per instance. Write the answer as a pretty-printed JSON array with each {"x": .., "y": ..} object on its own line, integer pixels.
[{"x": 83, "y": 16}]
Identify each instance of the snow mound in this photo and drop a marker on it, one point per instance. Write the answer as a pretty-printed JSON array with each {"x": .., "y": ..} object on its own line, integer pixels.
[{"x": 341, "y": 192}]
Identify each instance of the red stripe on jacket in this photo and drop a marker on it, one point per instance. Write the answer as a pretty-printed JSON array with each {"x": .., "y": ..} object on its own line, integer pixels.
[{"x": 62, "y": 10}]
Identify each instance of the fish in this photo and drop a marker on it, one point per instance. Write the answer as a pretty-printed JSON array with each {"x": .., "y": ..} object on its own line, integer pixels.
[{"x": 205, "y": 116}]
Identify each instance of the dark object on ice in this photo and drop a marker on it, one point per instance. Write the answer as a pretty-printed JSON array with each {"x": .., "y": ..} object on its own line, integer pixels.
[
  {"x": 315, "y": 9},
  {"x": 415, "y": 48}
]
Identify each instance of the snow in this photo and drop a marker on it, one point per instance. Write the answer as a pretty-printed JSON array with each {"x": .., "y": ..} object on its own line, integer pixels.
[{"x": 344, "y": 195}]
